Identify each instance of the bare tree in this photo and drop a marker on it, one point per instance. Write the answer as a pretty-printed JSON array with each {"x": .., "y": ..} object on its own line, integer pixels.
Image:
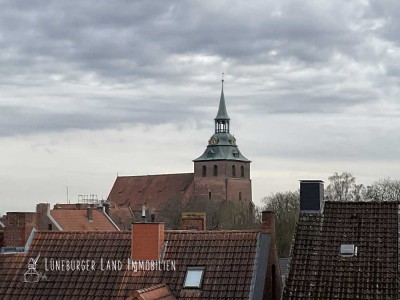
[
  {"x": 224, "y": 215},
  {"x": 170, "y": 213},
  {"x": 286, "y": 207},
  {"x": 384, "y": 190},
  {"x": 343, "y": 187}
]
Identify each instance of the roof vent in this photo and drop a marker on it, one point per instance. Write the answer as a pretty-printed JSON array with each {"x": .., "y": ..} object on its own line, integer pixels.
[{"x": 348, "y": 250}]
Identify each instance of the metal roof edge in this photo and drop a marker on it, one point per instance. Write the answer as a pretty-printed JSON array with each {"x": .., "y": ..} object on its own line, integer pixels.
[
  {"x": 260, "y": 266},
  {"x": 53, "y": 220},
  {"x": 30, "y": 239},
  {"x": 109, "y": 219}
]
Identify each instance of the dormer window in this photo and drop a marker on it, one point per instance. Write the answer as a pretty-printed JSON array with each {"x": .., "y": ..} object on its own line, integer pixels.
[
  {"x": 348, "y": 250},
  {"x": 194, "y": 277}
]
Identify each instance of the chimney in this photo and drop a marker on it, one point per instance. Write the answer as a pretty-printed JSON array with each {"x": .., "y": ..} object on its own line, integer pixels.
[
  {"x": 147, "y": 241},
  {"x": 143, "y": 213},
  {"x": 195, "y": 221},
  {"x": 311, "y": 195},
  {"x": 89, "y": 211},
  {"x": 42, "y": 210},
  {"x": 268, "y": 222}
]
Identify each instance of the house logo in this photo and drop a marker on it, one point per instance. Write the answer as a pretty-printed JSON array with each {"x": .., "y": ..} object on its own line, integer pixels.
[{"x": 32, "y": 275}]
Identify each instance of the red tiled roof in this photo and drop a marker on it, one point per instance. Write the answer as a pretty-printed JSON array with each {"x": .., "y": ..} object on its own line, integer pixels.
[
  {"x": 318, "y": 271},
  {"x": 228, "y": 258},
  {"x": 152, "y": 190},
  {"x": 76, "y": 220},
  {"x": 156, "y": 292},
  {"x": 10, "y": 272}
]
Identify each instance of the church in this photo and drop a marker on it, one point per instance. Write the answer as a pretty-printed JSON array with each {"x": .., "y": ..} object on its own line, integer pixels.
[{"x": 221, "y": 173}]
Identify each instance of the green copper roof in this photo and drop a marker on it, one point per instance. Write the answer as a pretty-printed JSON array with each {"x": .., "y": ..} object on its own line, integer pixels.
[
  {"x": 222, "y": 113},
  {"x": 222, "y": 146}
]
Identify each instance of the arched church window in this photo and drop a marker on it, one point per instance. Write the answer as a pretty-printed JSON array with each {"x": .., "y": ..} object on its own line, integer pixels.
[
  {"x": 241, "y": 171},
  {"x": 233, "y": 171},
  {"x": 215, "y": 170},
  {"x": 240, "y": 196},
  {"x": 204, "y": 171}
]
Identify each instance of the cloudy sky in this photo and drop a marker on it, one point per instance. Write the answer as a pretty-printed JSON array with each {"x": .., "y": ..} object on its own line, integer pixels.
[{"x": 92, "y": 89}]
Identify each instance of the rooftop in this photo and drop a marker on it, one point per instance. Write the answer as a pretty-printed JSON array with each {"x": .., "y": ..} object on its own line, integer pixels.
[
  {"x": 230, "y": 260},
  {"x": 318, "y": 269},
  {"x": 77, "y": 220},
  {"x": 151, "y": 190}
]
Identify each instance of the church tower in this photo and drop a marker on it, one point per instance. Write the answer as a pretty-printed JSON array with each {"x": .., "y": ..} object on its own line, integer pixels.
[{"x": 222, "y": 173}]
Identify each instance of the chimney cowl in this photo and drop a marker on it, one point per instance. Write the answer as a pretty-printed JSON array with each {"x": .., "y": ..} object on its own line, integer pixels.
[
  {"x": 143, "y": 213},
  {"x": 311, "y": 196}
]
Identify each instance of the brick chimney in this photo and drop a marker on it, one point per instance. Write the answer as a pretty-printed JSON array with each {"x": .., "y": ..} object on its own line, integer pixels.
[
  {"x": 18, "y": 227},
  {"x": 89, "y": 213},
  {"x": 311, "y": 195},
  {"x": 193, "y": 221},
  {"x": 147, "y": 241},
  {"x": 268, "y": 222}
]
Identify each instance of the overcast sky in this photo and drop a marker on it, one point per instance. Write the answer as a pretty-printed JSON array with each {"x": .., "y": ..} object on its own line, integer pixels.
[{"x": 92, "y": 89}]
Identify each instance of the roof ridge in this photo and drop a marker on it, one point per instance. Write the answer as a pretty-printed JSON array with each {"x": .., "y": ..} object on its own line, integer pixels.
[
  {"x": 153, "y": 175},
  {"x": 152, "y": 287},
  {"x": 83, "y": 231},
  {"x": 211, "y": 231}
]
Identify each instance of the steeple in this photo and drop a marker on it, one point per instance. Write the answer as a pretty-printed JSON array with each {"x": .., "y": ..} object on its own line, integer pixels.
[
  {"x": 222, "y": 118},
  {"x": 222, "y": 173},
  {"x": 222, "y": 113},
  {"x": 222, "y": 144}
]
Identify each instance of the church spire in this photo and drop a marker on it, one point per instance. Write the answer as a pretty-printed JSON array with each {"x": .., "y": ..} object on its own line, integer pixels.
[
  {"x": 222, "y": 118},
  {"x": 222, "y": 113},
  {"x": 222, "y": 144}
]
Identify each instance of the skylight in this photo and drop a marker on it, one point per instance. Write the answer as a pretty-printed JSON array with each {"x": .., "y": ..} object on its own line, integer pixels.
[
  {"x": 194, "y": 277},
  {"x": 348, "y": 250}
]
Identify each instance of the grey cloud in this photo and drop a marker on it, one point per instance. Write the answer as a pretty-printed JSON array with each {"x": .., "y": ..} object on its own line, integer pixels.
[{"x": 134, "y": 43}]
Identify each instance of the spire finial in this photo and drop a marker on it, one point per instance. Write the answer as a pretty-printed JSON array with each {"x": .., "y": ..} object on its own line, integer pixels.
[{"x": 222, "y": 80}]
